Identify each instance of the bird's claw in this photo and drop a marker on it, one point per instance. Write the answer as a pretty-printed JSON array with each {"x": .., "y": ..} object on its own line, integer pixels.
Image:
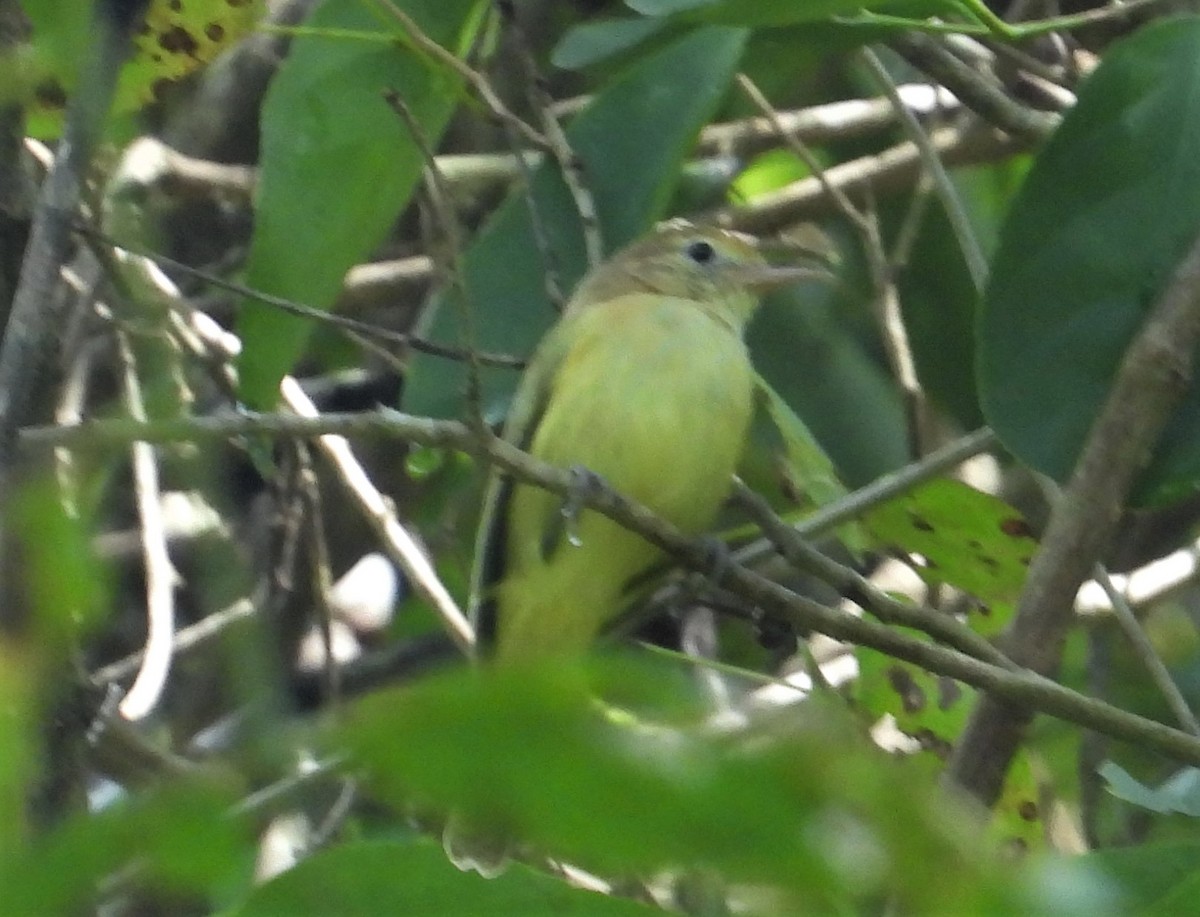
[{"x": 584, "y": 484}]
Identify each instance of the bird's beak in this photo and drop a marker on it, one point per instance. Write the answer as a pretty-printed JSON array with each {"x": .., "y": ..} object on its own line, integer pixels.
[{"x": 762, "y": 278}]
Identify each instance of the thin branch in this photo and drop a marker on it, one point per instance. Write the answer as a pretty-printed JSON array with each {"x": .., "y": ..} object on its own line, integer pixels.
[
  {"x": 894, "y": 168},
  {"x": 184, "y": 641},
  {"x": 570, "y": 165},
  {"x": 980, "y": 92},
  {"x": 964, "y": 232},
  {"x": 843, "y": 203},
  {"x": 400, "y": 543},
  {"x": 477, "y": 81},
  {"x": 443, "y": 214},
  {"x": 879, "y": 491},
  {"x": 1145, "y": 652},
  {"x": 320, "y": 572},
  {"x": 887, "y": 298},
  {"x": 1148, "y": 585},
  {"x": 160, "y": 574},
  {"x": 1020, "y": 688},
  {"x": 831, "y": 122},
  {"x": 858, "y": 589},
  {"x": 320, "y": 315},
  {"x": 32, "y": 333}
]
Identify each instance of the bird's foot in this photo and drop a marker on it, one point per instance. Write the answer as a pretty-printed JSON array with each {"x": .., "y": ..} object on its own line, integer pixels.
[
  {"x": 584, "y": 484},
  {"x": 720, "y": 560}
]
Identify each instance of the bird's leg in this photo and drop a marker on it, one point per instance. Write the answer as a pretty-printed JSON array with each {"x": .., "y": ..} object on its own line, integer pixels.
[
  {"x": 720, "y": 560},
  {"x": 584, "y": 483}
]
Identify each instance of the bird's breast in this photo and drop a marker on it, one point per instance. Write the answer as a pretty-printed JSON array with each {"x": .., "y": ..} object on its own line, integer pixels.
[{"x": 655, "y": 395}]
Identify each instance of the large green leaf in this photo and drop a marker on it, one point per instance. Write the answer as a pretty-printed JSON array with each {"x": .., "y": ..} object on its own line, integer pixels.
[
  {"x": 337, "y": 166},
  {"x": 770, "y": 12},
  {"x": 801, "y": 345},
  {"x": 1107, "y": 211},
  {"x": 803, "y": 803},
  {"x": 378, "y": 877},
  {"x": 176, "y": 838},
  {"x": 1158, "y": 878},
  {"x": 937, "y": 293},
  {"x": 631, "y": 140}
]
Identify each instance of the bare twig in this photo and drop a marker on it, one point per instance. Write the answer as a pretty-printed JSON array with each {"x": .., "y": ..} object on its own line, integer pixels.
[
  {"x": 443, "y": 214},
  {"x": 184, "y": 641},
  {"x": 980, "y": 92},
  {"x": 161, "y": 576},
  {"x": 885, "y": 488},
  {"x": 887, "y": 299},
  {"x": 320, "y": 571},
  {"x": 894, "y": 168},
  {"x": 1144, "y": 650},
  {"x": 294, "y": 308},
  {"x": 477, "y": 81},
  {"x": 32, "y": 332},
  {"x": 859, "y": 589},
  {"x": 821, "y": 124},
  {"x": 835, "y": 192},
  {"x": 964, "y": 233},
  {"x": 570, "y": 165},
  {"x": 400, "y": 543}
]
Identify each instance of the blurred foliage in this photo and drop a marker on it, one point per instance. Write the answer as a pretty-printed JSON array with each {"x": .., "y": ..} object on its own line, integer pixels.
[{"x": 622, "y": 769}]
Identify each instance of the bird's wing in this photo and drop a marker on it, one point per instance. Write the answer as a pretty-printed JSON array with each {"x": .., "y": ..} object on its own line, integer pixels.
[{"x": 528, "y": 405}]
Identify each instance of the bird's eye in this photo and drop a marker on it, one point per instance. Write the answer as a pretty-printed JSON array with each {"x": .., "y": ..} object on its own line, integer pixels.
[{"x": 700, "y": 251}]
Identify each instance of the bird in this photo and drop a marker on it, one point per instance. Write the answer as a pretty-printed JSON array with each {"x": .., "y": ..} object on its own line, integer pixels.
[{"x": 645, "y": 381}]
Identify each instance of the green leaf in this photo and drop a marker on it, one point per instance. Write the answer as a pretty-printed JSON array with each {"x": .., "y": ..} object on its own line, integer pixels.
[
  {"x": 175, "y": 40},
  {"x": 594, "y": 41},
  {"x": 808, "y": 465},
  {"x": 756, "y": 13},
  {"x": 1158, "y": 878},
  {"x": 337, "y": 166},
  {"x": 968, "y": 539},
  {"x": 1179, "y": 793},
  {"x": 631, "y": 140},
  {"x": 801, "y": 346},
  {"x": 371, "y": 878},
  {"x": 769, "y": 171},
  {"x": 804, "y": 804},
  {"x": 809, "y": 472},
  {"x": 1109, "y": 208},
  {"x": 932, "y": 710},
  {"x": 180, "y": 838},
  {"x": 938, "y": 296}
]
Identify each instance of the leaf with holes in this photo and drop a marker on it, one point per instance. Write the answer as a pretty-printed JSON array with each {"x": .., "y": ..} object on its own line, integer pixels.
[
  {"x": 967, "y": 539},
  {"x": 175, "y": 39},
  {"x": 932, "y": 710}
]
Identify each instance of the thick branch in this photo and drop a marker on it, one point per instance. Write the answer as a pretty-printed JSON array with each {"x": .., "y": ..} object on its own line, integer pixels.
[{"x": 1149, "y": 384}]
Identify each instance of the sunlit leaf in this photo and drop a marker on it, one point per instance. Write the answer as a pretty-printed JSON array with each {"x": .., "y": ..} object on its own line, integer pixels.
[{"x": 965, "y": 538}]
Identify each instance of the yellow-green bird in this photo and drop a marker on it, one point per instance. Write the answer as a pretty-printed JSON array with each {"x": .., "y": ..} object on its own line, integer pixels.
[{"x": 646, "y": 382}]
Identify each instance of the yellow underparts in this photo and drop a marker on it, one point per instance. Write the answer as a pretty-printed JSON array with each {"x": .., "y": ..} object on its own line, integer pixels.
[{"x": 654, "y": 394}]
